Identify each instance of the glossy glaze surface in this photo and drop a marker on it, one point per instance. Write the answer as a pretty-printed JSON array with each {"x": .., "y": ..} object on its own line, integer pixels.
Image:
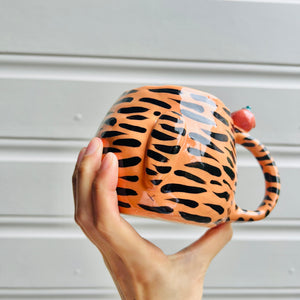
[{"x": 177, "y": 156}]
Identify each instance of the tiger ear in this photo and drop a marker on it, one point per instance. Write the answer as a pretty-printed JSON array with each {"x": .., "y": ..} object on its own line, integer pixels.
[{"x": 163, "y": 147}]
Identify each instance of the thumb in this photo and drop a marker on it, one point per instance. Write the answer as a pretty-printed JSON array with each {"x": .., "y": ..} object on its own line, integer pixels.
[{"x": 210, "y": 244}]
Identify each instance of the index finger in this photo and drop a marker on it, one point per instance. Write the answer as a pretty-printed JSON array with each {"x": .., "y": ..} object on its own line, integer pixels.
[
  {"x": 118, "y": 233},
  {"x": 74, "y": 177}
]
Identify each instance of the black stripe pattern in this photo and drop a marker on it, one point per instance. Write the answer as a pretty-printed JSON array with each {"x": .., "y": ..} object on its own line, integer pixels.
[
  {"x": 177, "y": 122},
  {"x": 133, "y": 127},
  {"x": 156, "y": 102}
]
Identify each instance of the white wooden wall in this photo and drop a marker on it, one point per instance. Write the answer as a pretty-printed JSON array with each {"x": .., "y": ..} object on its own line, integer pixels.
[{"x": 62, "y": 64}]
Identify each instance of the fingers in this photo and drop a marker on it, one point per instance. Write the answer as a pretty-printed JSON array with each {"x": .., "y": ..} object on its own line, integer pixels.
[
  {"x": 105, "y": 200},
  {"x": 117, "y": 232},
  {"x": 97, "y": 211},
  {"x": 85, "y": 173},
  {"x": 214, "y": 240},
  {"x": 209, "y": 245}
]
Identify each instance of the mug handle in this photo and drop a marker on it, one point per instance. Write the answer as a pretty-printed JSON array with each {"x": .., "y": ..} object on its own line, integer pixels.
[{"x": 271, "y": 175}]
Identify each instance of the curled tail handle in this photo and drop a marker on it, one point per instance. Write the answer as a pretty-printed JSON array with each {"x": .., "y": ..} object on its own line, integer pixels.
[{"x": 271, "y": 176}]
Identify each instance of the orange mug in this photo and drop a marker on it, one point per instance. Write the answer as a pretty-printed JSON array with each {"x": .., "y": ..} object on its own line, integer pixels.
[{"x": 177, "y": 156}]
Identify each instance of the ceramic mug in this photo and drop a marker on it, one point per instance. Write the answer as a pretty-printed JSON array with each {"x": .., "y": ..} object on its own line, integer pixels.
[{"x": 177, "y": 156}]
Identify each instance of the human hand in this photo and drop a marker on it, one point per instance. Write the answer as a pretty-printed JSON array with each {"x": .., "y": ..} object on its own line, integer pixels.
[{"x": 139, "y": 269}]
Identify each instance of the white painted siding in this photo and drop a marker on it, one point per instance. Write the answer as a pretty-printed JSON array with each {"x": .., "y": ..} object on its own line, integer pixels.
[{"x": 63, "y": 63}]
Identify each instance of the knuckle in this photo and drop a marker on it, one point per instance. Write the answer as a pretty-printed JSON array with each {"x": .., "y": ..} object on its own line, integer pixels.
[
  {"x": 83, "y": 170},
  {"x": 97, "y": 185},
  {"x": 77, "y": 219},
  {"x": 88, "y": 228},
  {"x": 81, "y": 219}
]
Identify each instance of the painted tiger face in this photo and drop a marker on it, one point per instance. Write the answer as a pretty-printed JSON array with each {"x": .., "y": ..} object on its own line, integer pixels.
[{"x": 177, "y": 156}]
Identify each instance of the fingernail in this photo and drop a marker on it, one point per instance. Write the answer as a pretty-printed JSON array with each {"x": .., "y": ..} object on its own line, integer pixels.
[
  {"x": 93, "y": 146},
  {"x": 106, "y": 162}
]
